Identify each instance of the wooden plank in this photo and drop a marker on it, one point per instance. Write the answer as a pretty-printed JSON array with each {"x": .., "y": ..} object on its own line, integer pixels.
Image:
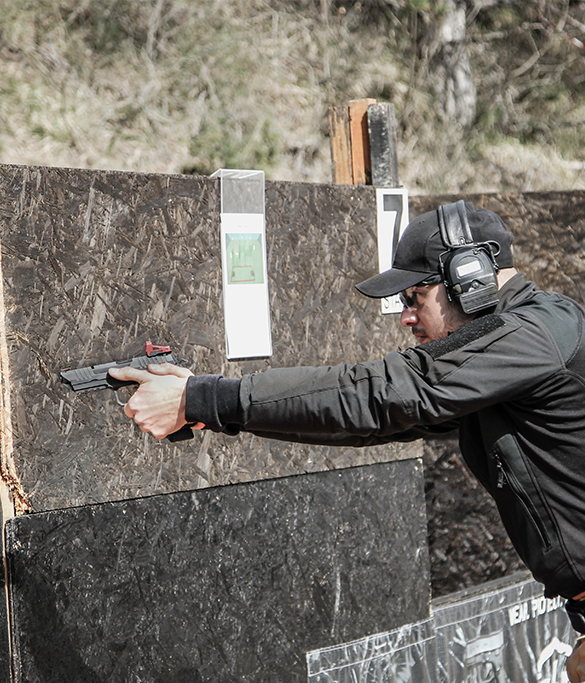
[
  {"x": 382, "y": 135},
  {"x": 360, "y": 145},
  {"x": 340, "y": 146}
]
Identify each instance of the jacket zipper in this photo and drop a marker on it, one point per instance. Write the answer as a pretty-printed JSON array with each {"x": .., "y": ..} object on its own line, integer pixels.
[{"x": 505, "y": 475}]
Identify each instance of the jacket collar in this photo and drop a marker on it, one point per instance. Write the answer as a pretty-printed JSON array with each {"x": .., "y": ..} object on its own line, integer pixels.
[{"x": 514, "y": 292}]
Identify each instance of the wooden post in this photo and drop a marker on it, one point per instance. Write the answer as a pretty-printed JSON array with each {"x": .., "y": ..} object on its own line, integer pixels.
[
  {"x": 363, "y": 144},
  {"x": 382, "y": 136},
  {"x": 340, "y": 145},
  {"x": 360, "y": 144}
]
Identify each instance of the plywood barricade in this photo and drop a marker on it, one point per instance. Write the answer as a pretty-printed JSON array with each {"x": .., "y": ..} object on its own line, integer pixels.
[{"x": 94, "y": 264}]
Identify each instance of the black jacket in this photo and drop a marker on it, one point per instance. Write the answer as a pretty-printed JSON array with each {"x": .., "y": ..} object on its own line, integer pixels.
[{"x": 513, "y": 381}]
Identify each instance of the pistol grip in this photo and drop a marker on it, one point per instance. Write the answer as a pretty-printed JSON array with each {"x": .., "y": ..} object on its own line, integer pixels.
[{"x": 182, "y": 434}]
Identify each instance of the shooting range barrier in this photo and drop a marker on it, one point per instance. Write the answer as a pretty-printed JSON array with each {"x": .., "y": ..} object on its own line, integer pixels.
[{"x": 227, "y": 559}]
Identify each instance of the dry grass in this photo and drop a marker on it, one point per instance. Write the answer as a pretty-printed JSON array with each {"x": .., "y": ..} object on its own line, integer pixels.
[{"x": 173, "y": 86}]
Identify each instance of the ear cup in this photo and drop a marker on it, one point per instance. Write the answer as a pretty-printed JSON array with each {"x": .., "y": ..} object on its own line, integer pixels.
[
  {"x": 468, "y": 269},
  {"x": 470, "y": 278}
]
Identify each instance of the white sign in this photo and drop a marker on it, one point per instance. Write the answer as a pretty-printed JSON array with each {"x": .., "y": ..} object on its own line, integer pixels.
[
  {"x": 243, "y": 258},
  {"x": 392, "y": 218}
]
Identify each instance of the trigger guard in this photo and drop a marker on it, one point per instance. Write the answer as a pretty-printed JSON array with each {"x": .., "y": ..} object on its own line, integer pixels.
[{"x": 118, "y": 399}]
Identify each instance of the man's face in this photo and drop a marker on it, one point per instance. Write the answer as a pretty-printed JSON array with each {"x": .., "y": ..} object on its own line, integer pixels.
[{"x": 429, "y": 313}]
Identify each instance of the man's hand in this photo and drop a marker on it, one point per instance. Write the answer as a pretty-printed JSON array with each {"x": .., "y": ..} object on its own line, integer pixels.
[
  {"x": 158, "y": 405},
  {"x": 576, "y": 662}
]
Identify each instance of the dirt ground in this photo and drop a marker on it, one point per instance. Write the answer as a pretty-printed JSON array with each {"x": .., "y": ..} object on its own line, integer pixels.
[{"x": 467, "y": 542}]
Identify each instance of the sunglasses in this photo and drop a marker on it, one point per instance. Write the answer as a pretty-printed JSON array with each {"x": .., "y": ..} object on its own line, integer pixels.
[{"x": 408, "y": 297}]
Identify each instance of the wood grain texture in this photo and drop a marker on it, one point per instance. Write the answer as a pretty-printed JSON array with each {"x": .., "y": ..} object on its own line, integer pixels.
[
  {"x": 12, "y": 495},
  {"x": 360, "y": 141},
  {"x": 95, "y": 263},
  {"x": 340, "y": 146}
]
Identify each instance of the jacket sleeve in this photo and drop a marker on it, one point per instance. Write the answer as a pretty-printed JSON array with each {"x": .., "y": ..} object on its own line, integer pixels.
[
  {"x": 356, "y": 441},
  {"x": 404, "y": 396}
]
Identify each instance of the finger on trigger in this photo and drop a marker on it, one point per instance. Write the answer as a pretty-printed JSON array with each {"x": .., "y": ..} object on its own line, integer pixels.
[
  {"x": 127, "y": 374},
  {"x": 169, "y": 369},
  {"x": 160, "y": 368}
]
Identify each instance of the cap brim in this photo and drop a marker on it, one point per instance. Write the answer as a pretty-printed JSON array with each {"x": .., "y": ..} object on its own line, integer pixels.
[{"x": 390, "y": 282}]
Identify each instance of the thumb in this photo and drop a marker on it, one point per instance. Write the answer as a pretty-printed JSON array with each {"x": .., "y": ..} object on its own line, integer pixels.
[{"x": 169, "y": 369}]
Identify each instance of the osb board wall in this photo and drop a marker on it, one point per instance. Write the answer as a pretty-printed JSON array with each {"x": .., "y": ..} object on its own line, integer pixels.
[{"x": 95, "y": 263}]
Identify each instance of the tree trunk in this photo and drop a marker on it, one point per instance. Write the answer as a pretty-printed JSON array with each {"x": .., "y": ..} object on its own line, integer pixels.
[{"x": 449, "y": 64}]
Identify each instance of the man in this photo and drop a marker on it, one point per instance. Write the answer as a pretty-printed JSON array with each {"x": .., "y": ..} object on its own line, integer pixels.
[{"x": 496, "y": 358}]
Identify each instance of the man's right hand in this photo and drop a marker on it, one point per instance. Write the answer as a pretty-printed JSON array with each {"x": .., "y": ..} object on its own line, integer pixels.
[
  {"x": 158, "y": 405},
  {"x": 576, "y": 662}
]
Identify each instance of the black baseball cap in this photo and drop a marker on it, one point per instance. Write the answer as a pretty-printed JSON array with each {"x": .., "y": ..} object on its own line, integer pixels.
[{"x": 417, "y": 255}]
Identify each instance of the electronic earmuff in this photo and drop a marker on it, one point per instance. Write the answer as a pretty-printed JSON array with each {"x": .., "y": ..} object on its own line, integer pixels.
[{"x": 469, "y": 269}]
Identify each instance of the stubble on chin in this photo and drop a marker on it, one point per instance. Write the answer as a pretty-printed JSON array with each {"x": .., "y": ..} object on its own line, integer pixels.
[{"x": 421, "y": 334}]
